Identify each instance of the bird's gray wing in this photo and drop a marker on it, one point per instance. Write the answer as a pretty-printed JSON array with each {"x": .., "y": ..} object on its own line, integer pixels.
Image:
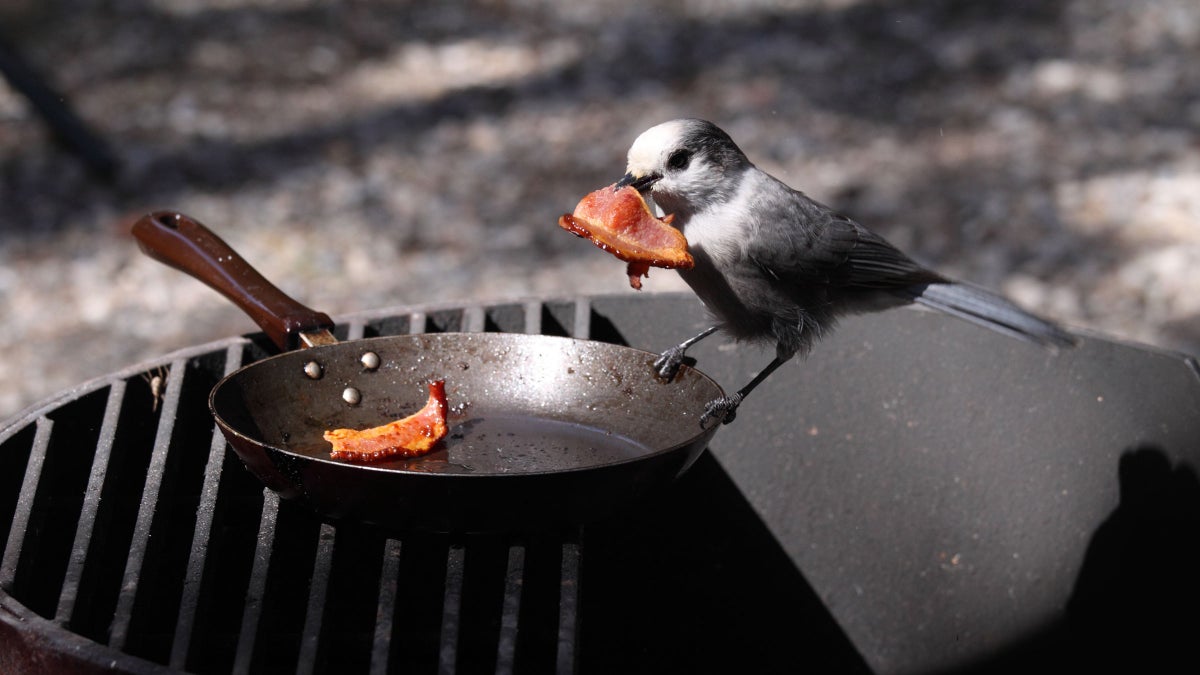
[
  {"x": 874, "y": 263},
  {"x": 810, "y": 245}
]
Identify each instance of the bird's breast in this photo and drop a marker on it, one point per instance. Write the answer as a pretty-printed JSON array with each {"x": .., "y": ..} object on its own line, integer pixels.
[{"x": 723, "y": 290}]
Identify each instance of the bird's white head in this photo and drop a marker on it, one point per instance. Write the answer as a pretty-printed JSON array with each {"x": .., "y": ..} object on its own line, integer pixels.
[{"x": 685, "y": 164}]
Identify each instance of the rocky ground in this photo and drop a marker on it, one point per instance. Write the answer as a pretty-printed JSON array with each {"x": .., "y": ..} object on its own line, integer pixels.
[{"x": 375, "y": 154}]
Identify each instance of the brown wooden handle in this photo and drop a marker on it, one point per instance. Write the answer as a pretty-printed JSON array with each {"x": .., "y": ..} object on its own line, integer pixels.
[{"x": 183, "y": 243}]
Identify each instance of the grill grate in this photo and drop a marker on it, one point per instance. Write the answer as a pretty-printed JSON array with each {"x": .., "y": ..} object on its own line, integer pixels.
[
  {"x": 704, "y": 577},
  {"x": 137, "y": 538}
]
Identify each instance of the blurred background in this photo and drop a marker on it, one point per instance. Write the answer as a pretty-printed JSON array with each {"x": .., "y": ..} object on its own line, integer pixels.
[{"x": 377, "y": 154}]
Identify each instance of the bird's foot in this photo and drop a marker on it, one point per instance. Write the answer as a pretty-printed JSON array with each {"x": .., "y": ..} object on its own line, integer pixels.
[
  {"x": 667, "y": 364},
  {"x": 723, "y": 409}
]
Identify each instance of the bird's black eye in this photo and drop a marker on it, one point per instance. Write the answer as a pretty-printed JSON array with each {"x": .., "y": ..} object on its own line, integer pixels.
[{"x": 679, "y": 159}]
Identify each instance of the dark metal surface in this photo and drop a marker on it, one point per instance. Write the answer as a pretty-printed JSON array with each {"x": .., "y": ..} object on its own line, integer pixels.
[
  {"x": 919, "y": 496},
  {"x": 942, "y": 489}
]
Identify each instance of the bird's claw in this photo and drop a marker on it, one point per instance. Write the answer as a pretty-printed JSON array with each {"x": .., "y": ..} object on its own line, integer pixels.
[
  {"x": 668, "y": 363},
  {"x": 723, "y": 409}
]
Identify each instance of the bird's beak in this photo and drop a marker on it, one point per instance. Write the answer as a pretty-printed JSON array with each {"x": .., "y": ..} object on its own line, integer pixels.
[{"x": 639, "y": 183}]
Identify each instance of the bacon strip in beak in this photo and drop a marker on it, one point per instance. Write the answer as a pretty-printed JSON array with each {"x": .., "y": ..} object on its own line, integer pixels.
[{"x": 619, "y": 221}]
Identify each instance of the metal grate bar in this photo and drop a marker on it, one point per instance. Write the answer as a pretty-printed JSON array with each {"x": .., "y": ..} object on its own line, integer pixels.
[
  {"x": 91, "y": 505},
  {"x": 20, "y": 524},
  {"x": 568, "y": 608},
  {"x": 257, "y": 588},
  {"x": 355, "y": 329},
  {"x": 510, "y": 613},
  {"x": 533, "y": 318},
  {"x": 418, "y": 322},
  {"x": 389, "y": 578},
  {"x": 198, "y": 555},
  {"x": 474, "y": 319},
  {"x": 119, "y": 631},
  {"x": 451, "y": 610},
  {"x": 317, "y": 587},
  {"x": 582, "y": 324}
]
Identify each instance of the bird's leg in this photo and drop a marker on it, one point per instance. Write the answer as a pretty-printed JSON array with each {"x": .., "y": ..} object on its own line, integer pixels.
[
  {"x": 669, "y": 361},
  {"x": 725, "y": 408}
]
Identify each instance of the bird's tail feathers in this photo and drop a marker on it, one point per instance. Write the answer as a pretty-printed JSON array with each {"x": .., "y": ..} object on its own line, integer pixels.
[{"x": 991, "y": 311}]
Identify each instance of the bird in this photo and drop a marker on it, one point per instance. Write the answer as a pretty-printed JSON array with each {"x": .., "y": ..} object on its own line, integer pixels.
[{"x": 774, "y": 265}]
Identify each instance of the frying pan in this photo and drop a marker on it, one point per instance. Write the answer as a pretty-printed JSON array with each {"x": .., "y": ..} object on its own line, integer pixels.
[{"x": 544, "y": 431}]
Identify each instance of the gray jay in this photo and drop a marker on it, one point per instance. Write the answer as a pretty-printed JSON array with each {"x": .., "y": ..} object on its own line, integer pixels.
[{"x": 772, "y": 264}]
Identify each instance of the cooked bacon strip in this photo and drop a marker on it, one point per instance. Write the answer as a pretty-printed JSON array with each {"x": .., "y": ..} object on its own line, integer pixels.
[
  {"x": 412, "y": 436},
  {"x": 635, "y": 271},
  {"x": 620, "y": 222}
]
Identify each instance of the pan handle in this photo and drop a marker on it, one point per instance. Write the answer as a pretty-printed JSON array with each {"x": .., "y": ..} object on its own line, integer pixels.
[{"x": 185, "y": 244}]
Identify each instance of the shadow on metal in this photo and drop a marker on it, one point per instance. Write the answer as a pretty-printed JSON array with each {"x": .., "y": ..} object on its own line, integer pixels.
[
  {"x": 918, "y": 497},
  {"x": 695, "y": 582}
]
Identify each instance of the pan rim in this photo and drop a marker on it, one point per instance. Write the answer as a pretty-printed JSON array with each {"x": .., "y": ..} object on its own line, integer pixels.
[{"x": 703, "y": 434}]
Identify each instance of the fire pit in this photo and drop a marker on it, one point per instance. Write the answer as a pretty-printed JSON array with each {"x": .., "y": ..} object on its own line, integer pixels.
[{"x": 920, "y": 495}]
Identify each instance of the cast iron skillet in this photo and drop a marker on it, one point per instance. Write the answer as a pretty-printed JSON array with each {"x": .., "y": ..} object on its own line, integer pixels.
[{"x": 544, "y": 431}]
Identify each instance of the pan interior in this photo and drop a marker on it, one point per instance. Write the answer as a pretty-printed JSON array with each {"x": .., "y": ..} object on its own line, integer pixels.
[
  {"x": 510, "y": 443},
  {"x": 518, "y": 403}
]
